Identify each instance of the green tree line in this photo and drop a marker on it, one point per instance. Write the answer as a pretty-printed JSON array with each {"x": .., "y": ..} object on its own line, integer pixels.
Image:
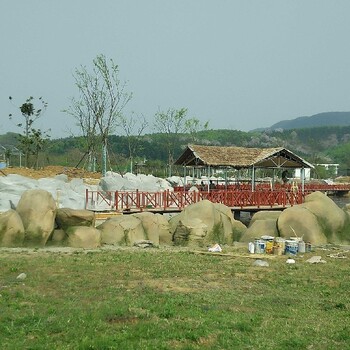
[{"x": 317, "y": 145}]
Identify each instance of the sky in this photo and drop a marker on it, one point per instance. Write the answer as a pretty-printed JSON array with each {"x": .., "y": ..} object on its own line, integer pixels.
[{"x": 237, "y": 64}]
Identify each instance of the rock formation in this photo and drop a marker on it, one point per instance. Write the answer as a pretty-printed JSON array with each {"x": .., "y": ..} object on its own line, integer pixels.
[
  {"x": 204, "y": 223},
  {"x": 37, "y": 209},
  {"x": 318, "y": 220},
  {"x": 11, "y": 229}
]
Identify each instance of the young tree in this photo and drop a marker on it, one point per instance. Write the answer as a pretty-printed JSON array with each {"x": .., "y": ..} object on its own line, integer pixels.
[
  {"x": 88, "y": 127},
  {"x": 133, "y": 127},
  {"x": 31, "y": 140},
  {"x": 102, "y": 99},
  {"x": 193, "y": 126},
  {"x": 172, "y": 123}
]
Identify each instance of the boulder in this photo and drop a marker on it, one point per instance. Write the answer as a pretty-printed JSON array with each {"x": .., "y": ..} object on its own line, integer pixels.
[
  {"x": 265, "y": 215},
  {"x": 205, "y": 222},
  {"x": 156, "y": 227},
  {"x": 332, "y": 219},
  {"x": 236, "y": 227},
  {"x": 258, "y": 228},
  {"x": 122, "y": 230},
  {"x": 83, "y": 237},
  {"x": 66, "y": 217},
  {"x": 58, "y": 236},
  {"x": 11, "y": 229},
  {"x": 190, "y": 233},
  {"x": 318, "y": 220},
  {"x": 37, "y": 209}
]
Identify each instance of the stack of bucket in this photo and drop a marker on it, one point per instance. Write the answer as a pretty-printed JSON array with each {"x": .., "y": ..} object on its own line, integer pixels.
[{"x": 278, "y": 246}]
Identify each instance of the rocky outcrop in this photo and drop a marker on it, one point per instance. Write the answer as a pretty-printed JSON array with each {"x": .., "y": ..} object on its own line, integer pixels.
[
  {"x": 83, "y": 237},
  {"x": 11, "y": 229},
  {"x": 204, "y": 223},
  {"x": 66, "y": 217},
  {"x": 259, "y": 228},
  {"x": 122, "y": 230},
  {"x": 37, "y": 209},
  {"x": 265, "y": 215},
  {"x": 318, "y": 220},
  {"x": 156, "y": 227},
  {"x": 263, "y": 223},
  {"x": 58, "y": 236}
]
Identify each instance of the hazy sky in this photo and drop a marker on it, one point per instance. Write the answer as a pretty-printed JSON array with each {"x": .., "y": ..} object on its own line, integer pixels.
[{"x": 237, "y": 64}]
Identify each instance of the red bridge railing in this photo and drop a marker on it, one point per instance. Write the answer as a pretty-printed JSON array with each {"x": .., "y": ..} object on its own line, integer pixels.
[{"x": 177, "y": 200}]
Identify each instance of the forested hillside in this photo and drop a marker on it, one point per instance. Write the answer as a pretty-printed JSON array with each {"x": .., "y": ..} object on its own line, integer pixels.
[
  {"x": 317, "y": 145},
  {"x": 316, "y": 120}
]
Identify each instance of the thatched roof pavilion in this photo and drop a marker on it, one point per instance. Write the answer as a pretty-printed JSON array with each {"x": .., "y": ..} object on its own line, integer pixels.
[{"x": 241, "y": 158}]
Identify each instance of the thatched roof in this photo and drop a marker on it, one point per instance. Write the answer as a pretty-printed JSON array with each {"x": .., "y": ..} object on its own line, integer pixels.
[{"x": 240, "y": 157}]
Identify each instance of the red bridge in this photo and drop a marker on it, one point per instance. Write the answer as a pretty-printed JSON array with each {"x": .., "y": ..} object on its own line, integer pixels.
[{"x": 237, "y": 197}]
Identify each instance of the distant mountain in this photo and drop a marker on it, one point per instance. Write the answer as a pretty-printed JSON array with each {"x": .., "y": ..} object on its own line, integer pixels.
[{"x": 317, "y": 120}]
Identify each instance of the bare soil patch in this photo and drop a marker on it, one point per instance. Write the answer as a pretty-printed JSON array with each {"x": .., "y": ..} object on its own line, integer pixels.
[{"x": 51, "y": 171}]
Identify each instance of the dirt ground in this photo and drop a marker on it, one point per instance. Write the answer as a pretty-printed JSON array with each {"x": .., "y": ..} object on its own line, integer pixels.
[{"x": 51, "y": 171}]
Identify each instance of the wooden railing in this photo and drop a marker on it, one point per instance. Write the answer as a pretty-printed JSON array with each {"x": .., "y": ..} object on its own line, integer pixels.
[
  {"x": 308, "y": 187},
  {"x": 177, "y": 200}
]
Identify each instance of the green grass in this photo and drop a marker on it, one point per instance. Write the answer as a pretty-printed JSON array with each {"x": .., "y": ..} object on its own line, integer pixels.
[{"x": 171, "y": 299}]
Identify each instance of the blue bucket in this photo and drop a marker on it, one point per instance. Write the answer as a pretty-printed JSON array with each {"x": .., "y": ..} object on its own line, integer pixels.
[
  {"x": 260, "y": 246},
  {"x": 291, "y": 247}
]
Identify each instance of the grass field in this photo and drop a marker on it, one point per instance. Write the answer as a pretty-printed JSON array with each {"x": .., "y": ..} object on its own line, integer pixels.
[{"x": 172, "y": 299}]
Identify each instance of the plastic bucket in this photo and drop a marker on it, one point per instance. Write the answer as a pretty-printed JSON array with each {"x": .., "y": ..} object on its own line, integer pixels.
[
  {"x": 301, "y": 247},
  {"x": 269, "y": 247},
  {"x": 291, "y": 247},
  {"x": 259, "y": 246},
  {"x": 251, "y": 247},
  {"x": 278, "y": 250},
  {"x": 279, "y": 246}
]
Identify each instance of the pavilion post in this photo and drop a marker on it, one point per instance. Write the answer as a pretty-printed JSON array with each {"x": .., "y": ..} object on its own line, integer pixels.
[
  {"x": 208, "y": 176},
  {"x": 253, "y": 179},
  {"x": 184, "y": 178},
  {"x": 302, "y": 174}
]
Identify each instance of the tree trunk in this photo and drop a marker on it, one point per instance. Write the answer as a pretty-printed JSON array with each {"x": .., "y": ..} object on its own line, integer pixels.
[{"x": 104, "y": 158}]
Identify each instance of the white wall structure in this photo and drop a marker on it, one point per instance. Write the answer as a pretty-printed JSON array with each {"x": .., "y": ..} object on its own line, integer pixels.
[{"x": 297, "y": 173}]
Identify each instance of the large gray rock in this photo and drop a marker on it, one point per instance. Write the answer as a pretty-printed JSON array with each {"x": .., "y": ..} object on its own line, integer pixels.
[
  {"x": 191, "y": 233},
  {"x": 37, "y": 209},
  {"x": 66, "y": 217},
  {"x": 122, "y": 230},
  {"x": 205, "y": 222},
  {"x": 258, "y": 228},
  {"x": 83, "y": 237},
  {"x": 11, "y": 229},
  {"x": 263, "y": 223},
  {"x": 58, "y": 236},
  {"x": 265, "y": 215},
  {"x": 156, "y": 227},
  {"x": 318, "y": 220}
]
